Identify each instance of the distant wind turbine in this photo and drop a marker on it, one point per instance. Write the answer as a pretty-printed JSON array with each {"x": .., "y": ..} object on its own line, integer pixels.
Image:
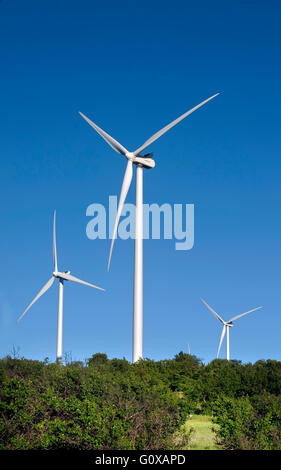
[
  {"x": 140, "y": 161},
  {"x": 226, "y": 326},
  {"x": 61, "y": 276}
]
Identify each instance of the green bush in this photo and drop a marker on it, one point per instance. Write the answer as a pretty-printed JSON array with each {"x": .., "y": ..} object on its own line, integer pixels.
[
  {"x": 101, "y": 406},
  {"x": 112, "y": 404},
  {"x": 249, "y": 424}
]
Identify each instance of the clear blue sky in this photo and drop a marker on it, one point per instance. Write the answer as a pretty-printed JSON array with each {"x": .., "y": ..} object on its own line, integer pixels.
[{"x": 133, "y": 67}]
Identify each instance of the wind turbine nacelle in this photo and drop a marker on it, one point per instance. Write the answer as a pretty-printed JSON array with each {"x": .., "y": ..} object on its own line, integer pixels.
[
  {"x": 143, "y": 160},
  {"x": 146, "y": 162},
  {"x": 229, "y": 324},
  {"x": 58, "y": 273}
]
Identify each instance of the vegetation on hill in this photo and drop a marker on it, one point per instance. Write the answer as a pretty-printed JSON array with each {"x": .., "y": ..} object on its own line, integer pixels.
[{"x": 112, "y": 404}]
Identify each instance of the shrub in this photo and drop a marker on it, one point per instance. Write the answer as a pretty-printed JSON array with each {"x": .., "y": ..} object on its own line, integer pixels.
[
  {"x": 249, "y": 424},
  {"x": 101, "y": 406}
]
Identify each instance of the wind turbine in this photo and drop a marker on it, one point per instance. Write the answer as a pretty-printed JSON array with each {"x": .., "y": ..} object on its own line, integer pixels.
[
  {"x": 141, "y": 161},
  {"x": 226, "y": 326},
  {"x": 61, "y": 276}
]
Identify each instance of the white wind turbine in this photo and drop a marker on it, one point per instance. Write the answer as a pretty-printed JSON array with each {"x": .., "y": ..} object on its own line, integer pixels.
[
  {"x": 140, "y": 161},
  {"x": 61, "y": 276},
  {"x": 226, "y": 326}
]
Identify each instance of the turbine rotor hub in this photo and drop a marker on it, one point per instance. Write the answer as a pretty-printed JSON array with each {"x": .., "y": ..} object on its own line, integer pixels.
[{"x": 130, "y": 156}]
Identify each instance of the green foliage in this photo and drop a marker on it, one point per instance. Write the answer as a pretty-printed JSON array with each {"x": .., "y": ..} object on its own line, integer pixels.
[
  {"x": 112, "y": 404},
  {"x": 105, "y": 405},
  {"x": 249, "y": 424}
]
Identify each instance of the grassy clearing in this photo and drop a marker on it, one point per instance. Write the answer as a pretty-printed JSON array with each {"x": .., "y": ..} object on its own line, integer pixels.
[{"x": 203, "y": 437}]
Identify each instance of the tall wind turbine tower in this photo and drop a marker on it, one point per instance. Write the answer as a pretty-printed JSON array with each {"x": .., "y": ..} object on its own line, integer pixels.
[{"x": 140, "y": 161}]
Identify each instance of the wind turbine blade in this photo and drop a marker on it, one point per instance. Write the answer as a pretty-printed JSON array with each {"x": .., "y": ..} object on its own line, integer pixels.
[
  {"x": 213, "y": 311},
  {"x": 68, "y": 277},
  {"x": 42, "y": 291},
  {"x": 112, "y": 142},
  {"x": 124, "y": 191},
  {"x": 169, "y": 126},
  {"x": 221, "y": 340},
  {"x": 55, "y": 244},
  {"x": 242, "y": 314}
]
